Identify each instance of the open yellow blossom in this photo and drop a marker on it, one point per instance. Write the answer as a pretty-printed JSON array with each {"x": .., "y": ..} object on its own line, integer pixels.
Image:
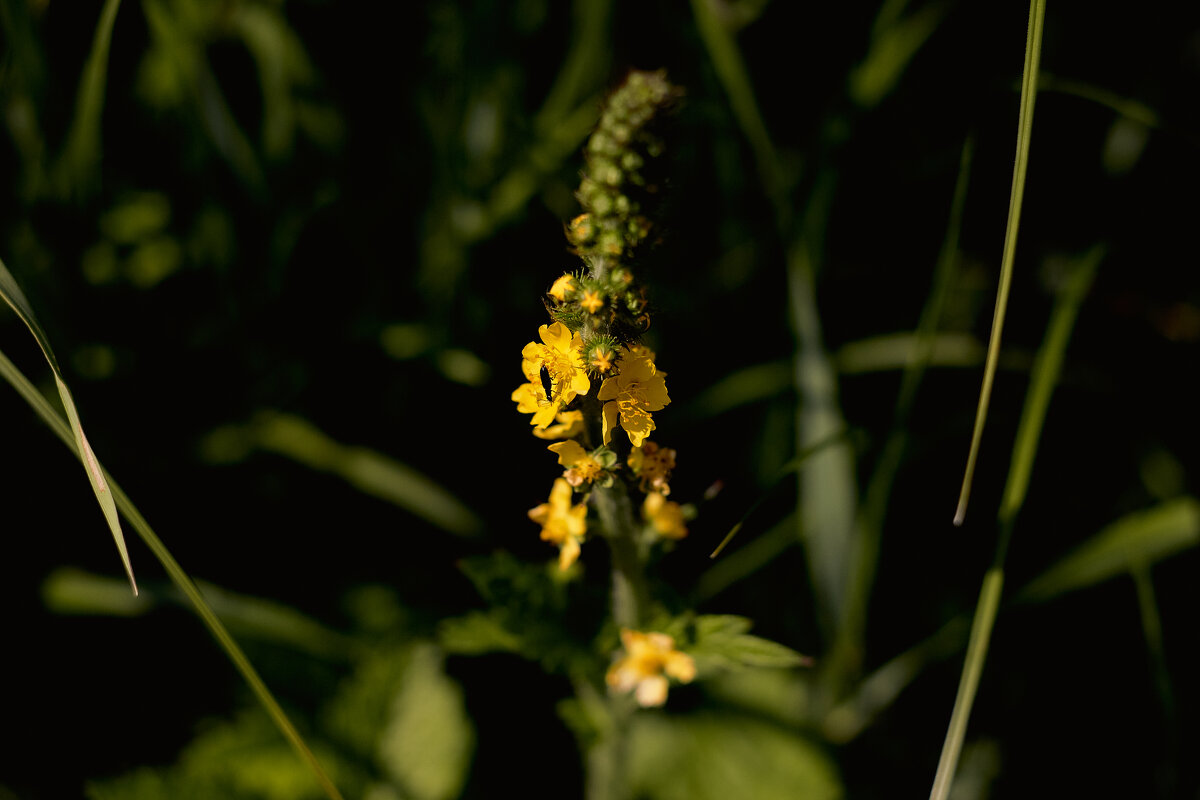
[
  {"x": 631, "y": 396},
  {"x": 592, "y": 301},
  {"x": 559, "y": 289},
  {"x": 653, "y": 464},
  {"x": 579, "y": 462},
  {"x": 665, "y": 516},
  {"x": 562, "y": 523},
  {"x": 649, "y": 659},
  {"x": 559, "y": 355},
  {"x": 568, "y": 424}
]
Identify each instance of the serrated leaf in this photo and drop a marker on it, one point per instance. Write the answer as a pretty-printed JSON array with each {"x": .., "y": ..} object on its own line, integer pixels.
[
  {"x": 722, "y": 756},
  {"x": 16, "y": 299},
  {"x": 721, "y": 642},
  {"x": 1136, "y": 539},
  {"x": 718, "y": 625}
]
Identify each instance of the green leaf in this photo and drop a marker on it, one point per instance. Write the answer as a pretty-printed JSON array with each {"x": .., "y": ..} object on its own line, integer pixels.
[
  {"x": 244, "y": 758},
  {"x": 721, "y": 756},
  {"x": 13, "y": 295},
  {"x": 366, "y": 470},
  {"x": 400, "y": 711},
  {"x": 427, "y": 743},
  {"x": 721, "y": 642},
  {"x": 477, "y": 633},
  {"x": 1141, "y": 538}
]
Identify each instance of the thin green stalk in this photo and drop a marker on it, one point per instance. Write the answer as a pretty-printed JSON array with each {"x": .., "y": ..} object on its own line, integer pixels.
[
  {"x": 1046, "y": 369},
  {"x": 1033, "y": 53},
  {"x": 977, "y": 646},
  {"x": 180, "y": 578}
]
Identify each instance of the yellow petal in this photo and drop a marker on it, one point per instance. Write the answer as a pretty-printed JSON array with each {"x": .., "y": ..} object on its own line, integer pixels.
[
  {"x": 656, "y": 393},
  {"x": 557, "y": 336},
  {"x": 638, "y": 426},
  {"x": 609, "y": 390},
  {"x": 652, "y": 691},
  {"x": 544, "y": 416},
  {"x": 611, "y": 414},
  {"x": 569, "y": 553},
  {"x": 568, "y": 452},
  {"x": 680, "y": 666}
]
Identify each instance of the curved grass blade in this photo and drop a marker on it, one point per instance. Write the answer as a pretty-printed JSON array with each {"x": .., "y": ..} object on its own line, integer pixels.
[
  {"x": 15, "y": 298},
  {"x": 1029, "y": 79},
  {"x": 180, "y": 578}
]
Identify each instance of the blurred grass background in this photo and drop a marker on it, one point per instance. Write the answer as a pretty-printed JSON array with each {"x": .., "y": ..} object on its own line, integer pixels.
[{"x": 288, "y": 254}]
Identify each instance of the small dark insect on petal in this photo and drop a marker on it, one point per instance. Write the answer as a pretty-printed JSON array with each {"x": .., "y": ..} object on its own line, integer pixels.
[{"x": 547, "y": 384}]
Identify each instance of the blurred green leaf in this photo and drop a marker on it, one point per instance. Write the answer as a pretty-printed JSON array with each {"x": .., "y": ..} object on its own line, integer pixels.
[
  {"x": 427, "y": 742},
  {"x": 898, "y": 350},
  {"x": 400, "y": 711},
  {"x": 136, "y": 217},
  {"x": 721, "y": 756},
  {"x": 366, "y": 470},
  {"x": 477, "y": 633},
  {"x": 893, "y": 47},
  {"x": 1141, "y": 538},
  {"x": 244, "y": 758},
  {"x": 13, "y": 295}
]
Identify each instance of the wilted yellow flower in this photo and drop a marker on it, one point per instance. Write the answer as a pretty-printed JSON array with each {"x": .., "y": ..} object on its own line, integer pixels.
[
  {"x": 649, "y": 659},
  {"x": 568, "y": 424},
  {"x": 559, "y": 355},
  {"x": 631, "y": 396},
  {"x": 653, "y": 464},
  {"x": 559, "y": 289},
  {"x": 665, "y": 516},
  {"x": 579, "y": 462},
  {"x": 562, "y": 523}
]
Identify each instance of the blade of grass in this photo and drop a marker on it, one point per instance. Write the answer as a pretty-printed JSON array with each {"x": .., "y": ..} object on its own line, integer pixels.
[
  {"x": 82, "y": 152},
  {"x": 15, "y": 298},
  {"x": 180, "y": 578},
  {"x": 1029, "y": 78},
  {"x": 1045, "y": 374}
]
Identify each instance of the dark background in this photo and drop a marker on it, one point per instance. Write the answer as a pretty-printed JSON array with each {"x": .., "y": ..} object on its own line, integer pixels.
[{"x": 290, "y": 278}]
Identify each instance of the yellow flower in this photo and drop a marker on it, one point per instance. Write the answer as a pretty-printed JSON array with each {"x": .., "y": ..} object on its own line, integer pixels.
[
  {"x": 653, "y": 464},
  {"x": 559, "y": 355},
  {"x": 632, "y": 395},
  {"x": 592, "y": 301},
  {"x": 564, "y": 284},
  {"x": 579, "y": 463},
  {"x": 665, "y": 516},
  {"x": 562, "y": 523},
  {"x": 647, "y": 657},
  {"x": 569, "y": 425}
]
